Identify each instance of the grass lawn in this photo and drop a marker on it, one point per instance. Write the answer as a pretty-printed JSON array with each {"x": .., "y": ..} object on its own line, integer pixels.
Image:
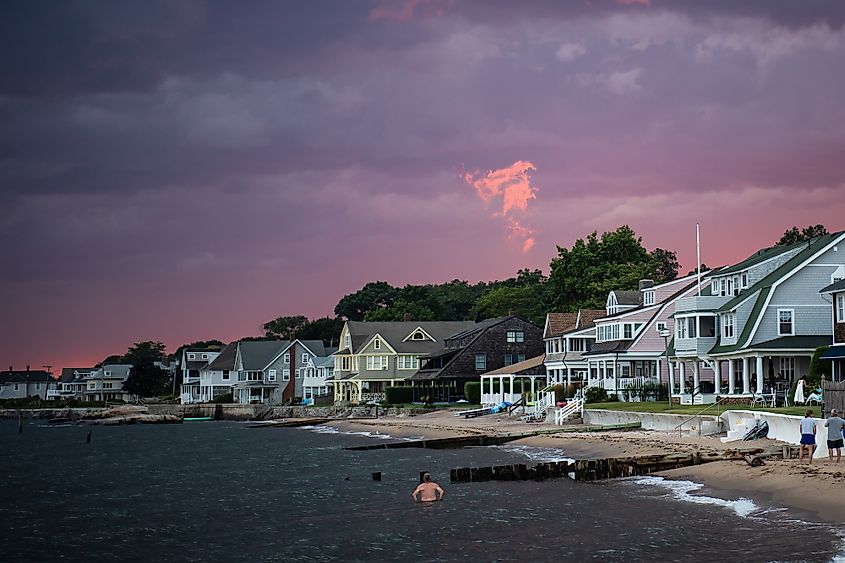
[{"x": 663, "y": 407}]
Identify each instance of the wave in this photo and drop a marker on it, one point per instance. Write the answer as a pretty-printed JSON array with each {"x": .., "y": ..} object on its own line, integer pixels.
[
  {"x": 323, "y": 429},
  {"x": 536, "y": 453},
  {"x": 682, "y": 490}
]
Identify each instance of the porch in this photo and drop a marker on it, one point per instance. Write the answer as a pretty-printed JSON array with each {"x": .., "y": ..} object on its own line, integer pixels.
[{"x": 498, "y": 388}]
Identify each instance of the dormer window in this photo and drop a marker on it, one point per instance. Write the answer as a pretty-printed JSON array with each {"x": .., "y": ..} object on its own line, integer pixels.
[
  {"x": 192, "y": 356},
  {"x": 418, "y": 336},
  {"x": 744, "y": 278},
  {"x": 376, "y": 344},
  {"x": 648, "y": 298}
]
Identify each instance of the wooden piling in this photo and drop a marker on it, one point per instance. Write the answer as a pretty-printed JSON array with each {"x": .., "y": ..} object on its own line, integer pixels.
[
  {"x": 377, "y": 476},
  {"x": 88, "y": 437}
]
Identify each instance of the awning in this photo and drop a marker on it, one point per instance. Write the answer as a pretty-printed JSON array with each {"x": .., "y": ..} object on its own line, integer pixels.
[{"x": 833, "y": 353}]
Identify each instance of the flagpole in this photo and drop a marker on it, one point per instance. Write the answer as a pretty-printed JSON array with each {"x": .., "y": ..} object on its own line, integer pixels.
[{"x": 698, "y": 256}]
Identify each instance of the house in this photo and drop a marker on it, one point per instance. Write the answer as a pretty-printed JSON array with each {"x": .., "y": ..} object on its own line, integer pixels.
[
  {"x": 218, "y": 376},
  {"x": 27, "y": 383},
  {"x": 71, "y": 384},
  {"x": 190, "y": 364},
  {"x": 273, "y": 371},
  {"x": 317, "y": 380},
  {"x": 836, "y": 353},
  {"x": 567, "y": 336},
  {"x": 489, "y": 345},
  {"x": 376, "y": 355},
  {"x": 631, "y": 340},
  {"x": 755, "y": 326},
  {"x": 511, "y": 383},
  {"x": 106, "y": 383}
]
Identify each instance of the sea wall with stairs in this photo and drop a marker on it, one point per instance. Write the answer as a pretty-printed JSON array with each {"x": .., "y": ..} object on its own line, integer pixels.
[{"x": 709, "y": 424}]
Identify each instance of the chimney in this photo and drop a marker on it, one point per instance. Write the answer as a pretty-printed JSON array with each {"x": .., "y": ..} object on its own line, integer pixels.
[
  {"x": 27, "y": 368},
  {"x": 645, "y": 284},
  {"x": 408, "y": 317}
]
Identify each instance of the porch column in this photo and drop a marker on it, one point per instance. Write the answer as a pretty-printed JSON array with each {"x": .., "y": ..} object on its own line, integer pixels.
[
  {"x": 616, "y": 376},
  {"x": 696, "y": 376},
  {"x": 568, "y": 376},
  {"x": 759, "y": 374},
  {"x": 731, "y": 378},
  {"x": 717, "y": 377},
  {"x": 681, "y": 378},
  {"x": 671, "y": 377},
  {"x": 746, "y": 377}
]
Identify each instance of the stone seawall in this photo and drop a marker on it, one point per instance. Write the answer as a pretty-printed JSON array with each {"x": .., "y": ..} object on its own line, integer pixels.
[{"x": 67, "y": 412}]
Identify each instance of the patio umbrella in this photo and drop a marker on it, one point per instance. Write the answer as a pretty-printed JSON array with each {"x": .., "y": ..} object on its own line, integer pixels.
[{"x": 772, "y": 374}]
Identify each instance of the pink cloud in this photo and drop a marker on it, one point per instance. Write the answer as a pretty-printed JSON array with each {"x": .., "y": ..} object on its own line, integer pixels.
[{"x": 513, "y": 185}]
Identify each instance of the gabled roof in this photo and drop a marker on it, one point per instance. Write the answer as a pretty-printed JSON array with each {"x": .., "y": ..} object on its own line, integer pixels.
[
  {"x": 835, "y": 287},
  {"x": 559, "y": 323},
  {"x": 115, "y": 371},
  {"x": 257, "y": 354},
  {"x": 394, "y": 332},
  {"x": 534, "y": 366},
  {"x": 69, "y": 374},
  {"x": 25, "y": 376},
  {"x": 587, "y": 317},
  {"x": 760, "y": 256},
  {"x": 628, "y": 297},
  {"x": 316, "y": 347},
  {"x": 226, "y": 359}
]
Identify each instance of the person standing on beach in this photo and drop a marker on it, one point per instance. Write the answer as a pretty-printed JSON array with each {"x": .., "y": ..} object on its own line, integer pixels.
[
  {"x": 808, "y": 436},
  {"x": 428, "y": 491},
  {"x": 834, "y": 425}
]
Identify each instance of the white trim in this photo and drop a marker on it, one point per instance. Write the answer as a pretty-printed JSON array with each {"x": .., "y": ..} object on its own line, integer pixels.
[
  {"x": 416, "y": 330},
  {"x": 839, "y": 308},
  {"x": 791, "y": 322},
  {"x": 382, "y": 339}
]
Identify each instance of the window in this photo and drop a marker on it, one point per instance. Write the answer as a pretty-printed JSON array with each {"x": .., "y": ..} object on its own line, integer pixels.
[
  {"x": 736, "y": 285},
  {"x": 376, "y": 344},
  {"x": 722, "y": 287},
  {"x": 577, "y": 344},
  {"x": 480, "y": 362},
  {"x": 681, "y": 328},
  {"x": 714, "y": 287},
  {"x": 205, "y": 356},
  {"x": 730, "y": 284},
  {"x": 285, "y": 374},
  {"x": 300, "y": 373},
  {"x": 225, "y": 374},
  {"x": 407, "y": 361},
  {"x": 304, "y": 358},
  {"x": 286, "y": 358},
  {"x": 840, "y": 308},
  {"x": 785, "y": 322},
  {"x": 648, "y": 298},
  {"x": 627, "y": 332},
  {"x": 418, "y": 335},
  {"x": 661, "y": 326},
  {"x": 343, "y": 363},
  {"x": 787, "y": 367},
  {"x": 728, "y": 320},
  {"x": 377, "y": 362},
  {"x": 516, "y": 336},
  {"x": 347, "y": 341},
  {"x": 271, "y": 375},
  {"x": 192, "y": 356},
  {"x": 108, "y": 373},
  {"x": 744, "y": 278}
]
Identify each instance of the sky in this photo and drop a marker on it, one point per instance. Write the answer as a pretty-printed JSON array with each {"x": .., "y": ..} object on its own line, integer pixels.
[{"x": 181, "y": 171}]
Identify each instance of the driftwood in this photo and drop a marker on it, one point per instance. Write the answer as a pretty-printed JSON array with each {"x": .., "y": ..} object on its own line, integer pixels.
[{"x": 754, "y": 460}]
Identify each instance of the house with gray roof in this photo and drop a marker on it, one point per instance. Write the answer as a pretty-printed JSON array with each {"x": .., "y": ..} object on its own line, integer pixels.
[
  {"x": 377, "y": 355},
  {"x": 106, "y": 383},
  {"x": 71, "y": 384},
  {"x": 190, "y": 363},
  {"x": 21, "y": 384},
  {"x": 218, "y": 377},
  {"x": 274, "y": 371},
  {"x": 753, "y": 329},
  {"x": 567, "y": 336}
]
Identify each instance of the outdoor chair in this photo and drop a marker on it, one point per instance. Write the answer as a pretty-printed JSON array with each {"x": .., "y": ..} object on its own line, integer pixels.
[{"x": 815, "y": 397}]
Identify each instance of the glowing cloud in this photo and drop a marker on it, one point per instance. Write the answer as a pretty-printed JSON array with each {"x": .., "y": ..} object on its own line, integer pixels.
[{"x": 513, "y": 185}]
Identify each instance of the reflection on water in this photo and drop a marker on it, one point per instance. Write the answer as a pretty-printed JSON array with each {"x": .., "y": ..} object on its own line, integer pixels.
[{"x": 223, "y": 492}]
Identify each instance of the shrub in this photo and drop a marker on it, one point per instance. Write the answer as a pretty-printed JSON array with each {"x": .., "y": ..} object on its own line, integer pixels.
[
  {"x": 223, "y": 399},
  {"x": 818, "y": 368},
  {"x": 472, "y": 391},
  {"x": 399, "y": 395},
  {"x": 596, "y": 395}
]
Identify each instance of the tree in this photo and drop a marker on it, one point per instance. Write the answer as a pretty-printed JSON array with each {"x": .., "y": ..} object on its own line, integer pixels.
[
  {"x": 703, "y": 267},
  {"x": 793, "y": 235},
  {"x": 326, "y": 329},
  {"x": 113, "y": 359},
  {"x": 582, "y": 277},
  {"x": 667, "y": 265},
  {"x": 142, "y": 353},
  {"x": 372, "y": 296},
  {"x": 284, "y": 327},
  {"x": 399, "y": 310},
  {"x": 524, "y": 301},
  {"x": 148, "y": 380}
]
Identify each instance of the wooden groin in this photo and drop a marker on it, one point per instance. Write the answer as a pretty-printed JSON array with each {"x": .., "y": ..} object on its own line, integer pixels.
[
  {"x": 289, "y": 423},
  {"x": 516, "y": 472},
  {"x": 612, "y": 468}
]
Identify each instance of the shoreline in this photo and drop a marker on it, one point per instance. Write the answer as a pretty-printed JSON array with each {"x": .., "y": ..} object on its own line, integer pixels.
[{"x": 815, "y": 492}]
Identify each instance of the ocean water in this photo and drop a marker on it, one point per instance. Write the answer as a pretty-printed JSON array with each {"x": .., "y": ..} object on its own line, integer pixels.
[{"x": 218, "y": 491}]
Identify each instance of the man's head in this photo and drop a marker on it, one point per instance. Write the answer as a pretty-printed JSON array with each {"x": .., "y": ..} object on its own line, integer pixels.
[
  {"x": 834, "y": 412},
  {"x": 427, "y": 477}
]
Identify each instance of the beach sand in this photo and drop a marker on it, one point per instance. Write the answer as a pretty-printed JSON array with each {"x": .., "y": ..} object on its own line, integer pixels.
[{"x": 817, "y": 490}]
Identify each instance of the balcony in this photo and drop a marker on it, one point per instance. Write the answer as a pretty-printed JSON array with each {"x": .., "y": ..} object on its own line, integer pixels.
[
  {"x": 700, "y": 303},
  {"x": 692, "y": 347}
]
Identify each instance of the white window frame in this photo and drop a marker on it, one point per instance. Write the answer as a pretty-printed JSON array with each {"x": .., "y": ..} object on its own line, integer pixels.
[
  {"x": 787, "y": 367},
  {"x": 286, "y": 358},
  {"x": 648, "y": 298},
  {"x": 627, "y": 331},
  {"x": 376, "y": 344},
  {"x": 300, "y": 373},
  {"x": 840, "y": 307},
  {"x": 407, "y": 362},
  {"x": 377, "y": 363},
  {"x": 481, "y": 362},
  {"x": 192, "y": 356},
  {"x": 305, "y": 357},
  {"x": 744, "y": 278},
  {"x": 728, "y": 324},
  {"x": 205, "y": 356},
  {"x": 791, "y": 322},
  {"x": 225, "y": 374},
  {"x": 516, "y": 336},
  {"x": 271, "y": 375},
  {"x": 286, "y": 374}
]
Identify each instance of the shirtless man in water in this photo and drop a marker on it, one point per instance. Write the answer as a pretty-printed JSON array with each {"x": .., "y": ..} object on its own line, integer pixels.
[{"x": 428, "y": 490}]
